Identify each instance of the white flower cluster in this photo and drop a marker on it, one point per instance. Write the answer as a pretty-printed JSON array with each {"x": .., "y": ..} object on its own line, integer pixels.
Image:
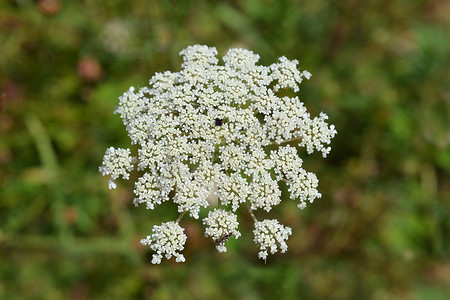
[
  {"x": 269, "y": 235},
  {"x": 221, "y": 225},
  {"x": 209, "y": 130},
  {"x": 167, "y": 239},
  {"x": 117, "y": 162}
]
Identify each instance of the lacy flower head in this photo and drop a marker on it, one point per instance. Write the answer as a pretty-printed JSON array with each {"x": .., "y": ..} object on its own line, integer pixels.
[{"x": 221, "y": 131}]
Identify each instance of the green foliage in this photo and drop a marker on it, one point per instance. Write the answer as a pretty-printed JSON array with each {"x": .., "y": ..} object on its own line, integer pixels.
[{"x": 381, "y": 72}]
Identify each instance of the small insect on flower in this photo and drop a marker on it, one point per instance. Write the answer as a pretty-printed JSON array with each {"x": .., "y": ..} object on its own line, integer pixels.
[
  {"x": 223, "y": 239},
  {"x": 219, "y": 122}
]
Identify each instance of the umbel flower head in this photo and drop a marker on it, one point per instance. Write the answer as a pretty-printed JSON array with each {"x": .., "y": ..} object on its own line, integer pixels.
[{"x": 224, "y": 131}]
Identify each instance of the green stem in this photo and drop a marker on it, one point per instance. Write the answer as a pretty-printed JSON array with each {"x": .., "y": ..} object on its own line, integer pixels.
[
  {"x": 251, "y": 213},
  {"x": 180, "y": 216},
  {"x": 286, "y": 141}
]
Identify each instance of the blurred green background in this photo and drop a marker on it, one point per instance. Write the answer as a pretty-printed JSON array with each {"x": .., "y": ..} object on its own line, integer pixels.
[{"x": 381, "y": 71}]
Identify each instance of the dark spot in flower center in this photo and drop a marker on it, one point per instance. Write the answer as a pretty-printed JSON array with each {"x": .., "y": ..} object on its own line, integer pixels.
[{"x": 219, "y": 122}]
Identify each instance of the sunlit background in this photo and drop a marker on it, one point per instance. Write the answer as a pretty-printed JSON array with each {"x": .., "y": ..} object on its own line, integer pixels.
[{"x": 381, "y": 71}]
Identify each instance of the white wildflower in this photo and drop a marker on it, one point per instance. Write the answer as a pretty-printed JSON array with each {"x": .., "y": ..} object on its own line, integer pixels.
[
  {"x": 271, "y": 235},
  {"x": 167, "y": 240},
  {"x": 219, "y": 130},
  {"x": 287, "y": 74},
  {"x": 199, "y": 55},
  {"x": 117, "y": 162},
  {"x": 288, "y": 167},
  {"x": 264, "y": 192},
  {"x": 190, "y": 196},
  {"x": 148, "y": 192},
  {"x": 221, "y": 225},
  {"x": 233, "y": 189},
  {"x": 239, "y": 58}
]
